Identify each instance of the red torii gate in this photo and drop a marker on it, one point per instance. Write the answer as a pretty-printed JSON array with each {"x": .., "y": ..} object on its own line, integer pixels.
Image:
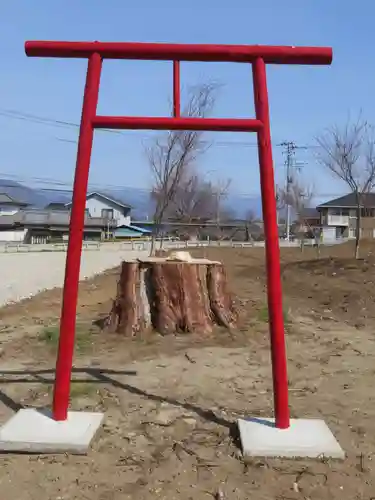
[{"x": 258, "y": 56}]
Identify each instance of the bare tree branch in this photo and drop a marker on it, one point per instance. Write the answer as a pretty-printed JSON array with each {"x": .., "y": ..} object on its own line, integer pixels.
[
  {"x": 172, "y": 158},
  {"x": 298, "y": 196},
  {"x": 250, "y": 218},
  {"x": 279, "y": 199},
  {"x": 349, "y": 154},
  {"x": 198, "y": 199}
]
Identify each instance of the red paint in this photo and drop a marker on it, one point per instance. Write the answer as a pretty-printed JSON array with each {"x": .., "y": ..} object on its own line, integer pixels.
[
  {"x": 179, "y": 52},
  {"x": 274, "y": 290},
  {"x": 176, "y": 90},
  {"x": 156, "y": 123},
  {"x": 73, "y": 259},
  {"x": 259, "y": 56}
]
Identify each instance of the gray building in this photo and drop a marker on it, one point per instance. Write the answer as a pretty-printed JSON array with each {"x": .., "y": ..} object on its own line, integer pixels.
[
  {"x": 22, "y": 223},
  {"x": 338, "y": 217}
]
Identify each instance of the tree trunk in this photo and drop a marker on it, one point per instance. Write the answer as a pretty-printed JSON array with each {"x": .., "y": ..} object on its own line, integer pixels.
[
  {"x": 152, "y": 246},
  {"x": 161, "y": 241},
  {"x": 358, "y": 225},
  {"x": 247, "y": 233},
  {"x": 155, "y": 232},
  {"x": 302, "y": 244},
  {"x": 170, "y": 296}
]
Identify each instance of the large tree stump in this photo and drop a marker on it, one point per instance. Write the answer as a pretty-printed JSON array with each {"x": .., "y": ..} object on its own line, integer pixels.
[{"x": 171, "y": 296}]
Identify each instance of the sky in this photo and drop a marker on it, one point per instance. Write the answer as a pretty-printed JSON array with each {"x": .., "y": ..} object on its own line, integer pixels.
[{"x": 303, "y": 100}]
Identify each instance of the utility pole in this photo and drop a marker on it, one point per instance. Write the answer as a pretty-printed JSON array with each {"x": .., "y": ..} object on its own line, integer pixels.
[{"x": 290, "y": 148}]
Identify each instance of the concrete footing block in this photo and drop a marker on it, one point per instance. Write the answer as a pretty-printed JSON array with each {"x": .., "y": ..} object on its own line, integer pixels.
[
  {"x": 34, "y": 431},
  {"x": 304, "y": 438}
]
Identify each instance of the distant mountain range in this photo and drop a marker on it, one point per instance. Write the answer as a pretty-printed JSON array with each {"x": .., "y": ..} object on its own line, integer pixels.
[
  {"x": 19, "y": 192},
  {"x": 138, "y": 198}
]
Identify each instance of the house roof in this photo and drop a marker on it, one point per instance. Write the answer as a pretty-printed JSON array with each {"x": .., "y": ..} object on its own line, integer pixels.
[
  {"x": 141, "y": 229},
  {"x": 108, "y": 197},
  {"x": 349, "y": 201},
  {"x": 311, "y": 213},
  {"x": 136, "y": 229},
  {"x": 125, "y": 231},
  {"x": 6, "y": 199},
  {"x": 56, "y": 205}
]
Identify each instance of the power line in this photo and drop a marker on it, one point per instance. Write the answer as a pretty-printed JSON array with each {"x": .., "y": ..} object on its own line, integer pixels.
[
  {"x": 39, "y": 120},
  {"x": 42, "y": 120},
  {"x": 66, "y": 186}
]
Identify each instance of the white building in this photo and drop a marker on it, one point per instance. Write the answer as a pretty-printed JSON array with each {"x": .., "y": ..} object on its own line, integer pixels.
[{"x": 107, "y": 207}]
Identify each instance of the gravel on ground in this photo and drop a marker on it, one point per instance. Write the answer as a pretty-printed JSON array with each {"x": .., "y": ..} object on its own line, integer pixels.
[{"x": 25, "y": 274}]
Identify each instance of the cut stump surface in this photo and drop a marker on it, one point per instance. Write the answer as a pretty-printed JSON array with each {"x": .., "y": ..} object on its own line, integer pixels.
[{"x": 171, "y": 296}]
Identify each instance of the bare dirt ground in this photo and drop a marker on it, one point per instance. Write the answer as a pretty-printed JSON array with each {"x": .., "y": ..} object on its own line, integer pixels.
[{"x": 171, "y": 403}]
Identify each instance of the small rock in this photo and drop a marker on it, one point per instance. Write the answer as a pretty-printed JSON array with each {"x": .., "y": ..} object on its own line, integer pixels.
[
  {"x": 141, "y": 442},
  {"x": 190, "y": 421},
  {"x": 166, "y": 416}
]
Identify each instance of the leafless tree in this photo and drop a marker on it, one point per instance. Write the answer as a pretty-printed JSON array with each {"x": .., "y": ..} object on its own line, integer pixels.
[
  {"x": 349, "y": 154},
  {"x": 172, "y": 156},
  {"x": 250, "y": 218},
  {"x": 226, "y": 213},
  {"x": 220, "y": 192},
  {"x": 198, "y": 199},
  {"x": 298, "y": 197}
]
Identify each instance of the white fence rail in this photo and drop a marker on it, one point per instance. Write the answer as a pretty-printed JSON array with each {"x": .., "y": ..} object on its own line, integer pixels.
[{"x": 141, "y": 245}]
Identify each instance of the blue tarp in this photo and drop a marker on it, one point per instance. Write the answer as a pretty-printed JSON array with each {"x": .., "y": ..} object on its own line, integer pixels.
[
  {"x": 141, "y": 229},
  {"x": 131, "y": 231}
]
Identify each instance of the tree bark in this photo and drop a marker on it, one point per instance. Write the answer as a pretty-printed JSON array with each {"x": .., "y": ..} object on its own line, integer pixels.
[
  {"x": 170, "y": 297},
  {"x": 154, "y": 235},
  {"x": 358, "y": 225}
]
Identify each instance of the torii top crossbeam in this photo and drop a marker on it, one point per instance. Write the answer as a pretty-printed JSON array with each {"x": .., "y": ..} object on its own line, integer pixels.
[{"x": 179, "y": 52}]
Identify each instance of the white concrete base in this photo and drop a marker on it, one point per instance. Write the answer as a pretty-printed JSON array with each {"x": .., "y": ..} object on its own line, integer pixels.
[
  {"x": 34, "y": 431},
  {"x": 304, "y": 438}
]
